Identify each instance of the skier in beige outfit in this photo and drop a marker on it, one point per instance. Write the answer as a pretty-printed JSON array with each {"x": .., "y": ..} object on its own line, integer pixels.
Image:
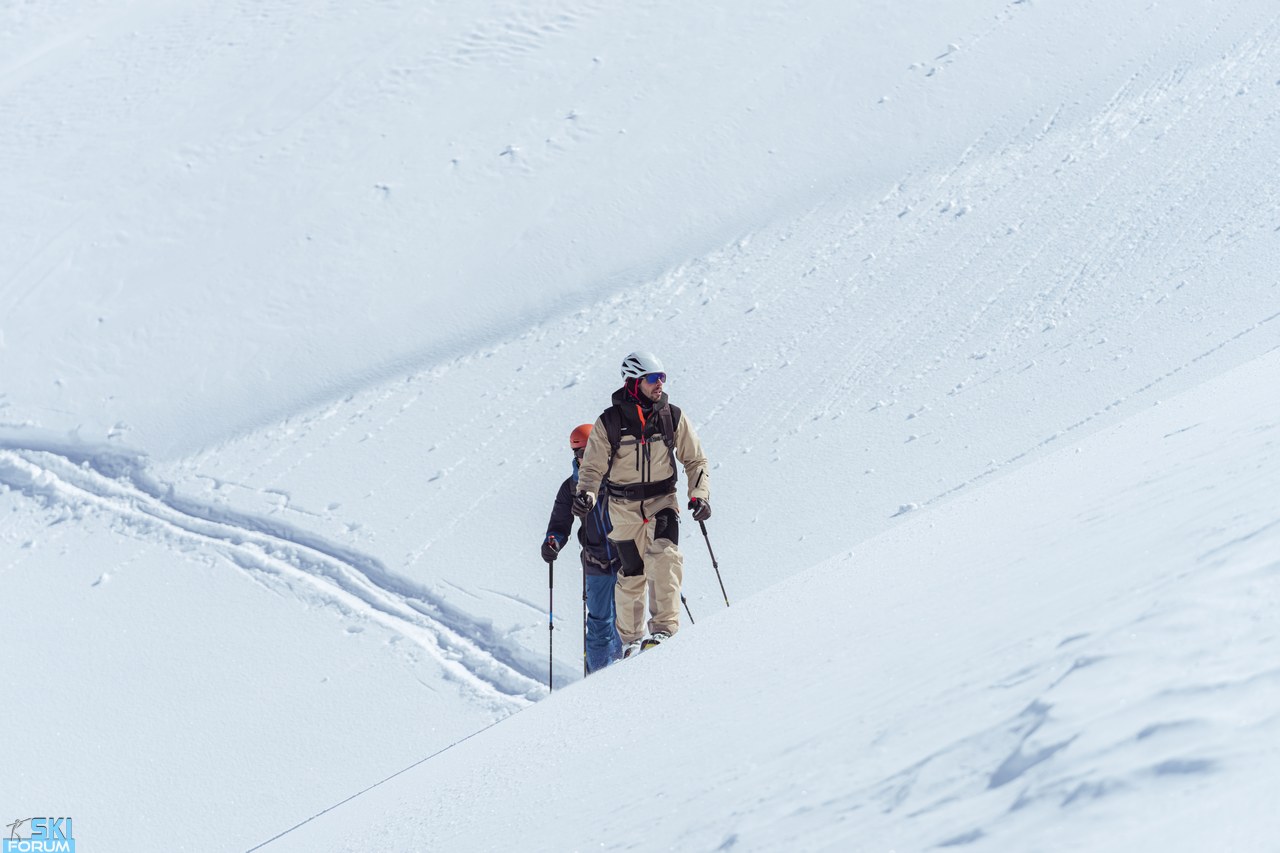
[{"x": 630, "y": 462}]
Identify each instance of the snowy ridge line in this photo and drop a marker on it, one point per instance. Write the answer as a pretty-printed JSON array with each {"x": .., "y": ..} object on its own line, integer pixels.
[
  {"x": 1087, "y": 419},
  {"x": 116, "y": 484},
  {"x": 364, "y": 791}
]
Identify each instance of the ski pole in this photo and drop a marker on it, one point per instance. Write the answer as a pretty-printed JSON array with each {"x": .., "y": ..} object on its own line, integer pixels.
[
  {"x": 551, "y": 627},
  {"x": 685, "y": 602},
  {"x": 714, "y": 564},
  {"x": 584, "y": 621}
]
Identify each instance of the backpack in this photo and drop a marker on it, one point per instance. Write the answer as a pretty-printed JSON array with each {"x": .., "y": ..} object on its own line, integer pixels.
[{"x": 612, "y": 420}]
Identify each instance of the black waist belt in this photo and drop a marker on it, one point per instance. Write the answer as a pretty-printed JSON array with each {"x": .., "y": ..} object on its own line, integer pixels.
[{"x": 640, "y": 491}]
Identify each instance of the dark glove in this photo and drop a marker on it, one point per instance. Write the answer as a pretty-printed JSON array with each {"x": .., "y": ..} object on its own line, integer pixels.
[
  {"x": 582, "y": 503},
  {"x": 550, "y": 549},
  {"x": 701, "y": 509}
]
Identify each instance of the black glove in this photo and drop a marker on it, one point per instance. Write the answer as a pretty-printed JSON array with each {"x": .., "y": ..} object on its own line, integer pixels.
[
  {"x": 582, "y": 503},
  {"x": 701, "y": 509},
  {"x": 550, "y": 549}
]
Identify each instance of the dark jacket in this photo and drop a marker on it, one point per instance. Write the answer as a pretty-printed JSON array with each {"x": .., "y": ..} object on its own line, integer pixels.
[{"x": 599, "y": 555}]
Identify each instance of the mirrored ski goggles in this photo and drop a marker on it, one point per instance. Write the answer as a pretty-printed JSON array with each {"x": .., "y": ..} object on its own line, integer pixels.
[{"x": 654, "y": 378}]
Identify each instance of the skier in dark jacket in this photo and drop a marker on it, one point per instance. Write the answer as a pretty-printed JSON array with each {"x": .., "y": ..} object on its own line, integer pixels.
[{"x": 600, "y": 562}]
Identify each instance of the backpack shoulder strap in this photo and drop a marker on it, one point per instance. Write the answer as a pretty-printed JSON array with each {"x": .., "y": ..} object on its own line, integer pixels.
[
  {"x": 612, "y": 420},
  {"x": 668, "y": 417}
]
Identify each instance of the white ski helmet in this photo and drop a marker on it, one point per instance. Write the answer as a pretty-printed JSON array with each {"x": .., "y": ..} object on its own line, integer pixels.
[{"x": 640, "y": 363}]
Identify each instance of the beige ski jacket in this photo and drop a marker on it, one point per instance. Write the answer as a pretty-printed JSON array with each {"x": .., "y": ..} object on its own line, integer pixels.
[{"x": 642, "y": 468}]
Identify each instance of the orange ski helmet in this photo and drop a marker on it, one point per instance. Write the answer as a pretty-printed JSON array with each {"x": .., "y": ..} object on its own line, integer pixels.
[{"x": 578, "y": 438}]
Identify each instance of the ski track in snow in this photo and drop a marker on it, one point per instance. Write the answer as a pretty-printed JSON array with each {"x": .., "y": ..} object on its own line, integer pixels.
[{"x": 284, "y": 558}]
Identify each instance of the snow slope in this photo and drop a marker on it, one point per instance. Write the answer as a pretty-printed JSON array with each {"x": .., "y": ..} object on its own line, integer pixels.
[
  {"x": 1079, "y": 656},
  {"x": 297, "y": 305}
]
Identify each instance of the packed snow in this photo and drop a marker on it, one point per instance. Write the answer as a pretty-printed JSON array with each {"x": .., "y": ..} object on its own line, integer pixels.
[{"x": 975, "y": 309}]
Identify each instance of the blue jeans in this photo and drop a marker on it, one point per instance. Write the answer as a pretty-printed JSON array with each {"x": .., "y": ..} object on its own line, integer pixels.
[{"x": 603, "y": 646}]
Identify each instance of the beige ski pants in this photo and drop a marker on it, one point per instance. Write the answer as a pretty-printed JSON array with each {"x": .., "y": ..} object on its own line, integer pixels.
[{"x": 651, "y": 528}]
